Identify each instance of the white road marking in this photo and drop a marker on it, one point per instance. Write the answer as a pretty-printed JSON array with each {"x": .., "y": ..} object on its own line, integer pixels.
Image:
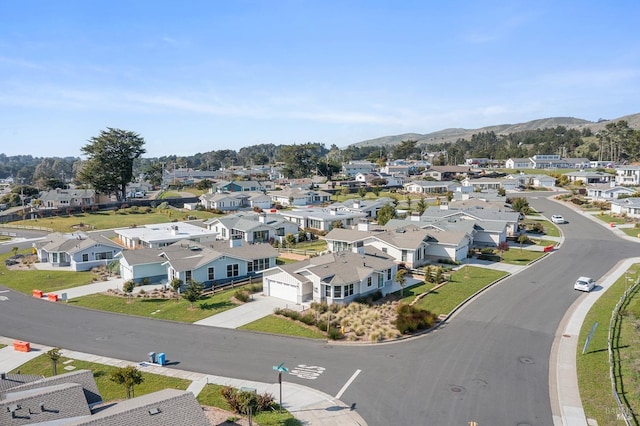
[
  {"x": 4, "y": 291},
  {"x": 310, "y": 372},
  {"x": 4, "y": 298},
  {"x": 346, "y": 385}
]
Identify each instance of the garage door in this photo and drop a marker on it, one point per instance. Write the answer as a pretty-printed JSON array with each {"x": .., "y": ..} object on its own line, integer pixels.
[{"x": 284, "y": 291}]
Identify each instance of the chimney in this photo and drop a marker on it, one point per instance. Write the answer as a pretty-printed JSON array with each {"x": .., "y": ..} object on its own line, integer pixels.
[
  {"x": 444, "y": 205},
  {"x": 363, "y": 225},
  {"x": 415, "y": 217},
  {"x": 174, "y": 229},
  {"x": 262, "y": 218}
]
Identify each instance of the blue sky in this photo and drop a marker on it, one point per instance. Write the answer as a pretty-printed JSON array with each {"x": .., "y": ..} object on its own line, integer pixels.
[{"x": 197, "y": 76}]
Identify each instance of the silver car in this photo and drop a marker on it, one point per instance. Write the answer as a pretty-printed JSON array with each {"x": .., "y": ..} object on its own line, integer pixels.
[{"x": 584, "y": 284}]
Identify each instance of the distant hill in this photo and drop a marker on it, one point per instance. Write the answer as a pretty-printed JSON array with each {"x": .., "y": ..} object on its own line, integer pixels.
[{"x": 451, "y": 135}]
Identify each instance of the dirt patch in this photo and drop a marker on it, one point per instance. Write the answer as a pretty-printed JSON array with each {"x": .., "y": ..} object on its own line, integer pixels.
[{"x": 219, "y": 417}]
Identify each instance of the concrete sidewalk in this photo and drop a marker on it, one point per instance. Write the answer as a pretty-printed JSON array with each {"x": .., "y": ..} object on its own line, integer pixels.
[{"x": 308, "y": 405}]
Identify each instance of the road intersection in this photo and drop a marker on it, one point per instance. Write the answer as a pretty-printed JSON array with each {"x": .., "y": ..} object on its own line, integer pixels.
[{"x": 490, "y": 363}]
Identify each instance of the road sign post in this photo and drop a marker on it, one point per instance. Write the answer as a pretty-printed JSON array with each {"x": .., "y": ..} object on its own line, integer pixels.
[{"x": 280, "y": 368}]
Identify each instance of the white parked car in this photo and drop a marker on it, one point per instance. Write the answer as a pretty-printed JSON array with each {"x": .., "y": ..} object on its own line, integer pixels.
[
  {"x": 584, "y": 284},
  {"x": 556, "y": 218}
]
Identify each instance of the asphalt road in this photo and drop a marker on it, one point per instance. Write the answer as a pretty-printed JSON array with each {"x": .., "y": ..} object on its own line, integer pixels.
[{"x": 489, "y": 363}]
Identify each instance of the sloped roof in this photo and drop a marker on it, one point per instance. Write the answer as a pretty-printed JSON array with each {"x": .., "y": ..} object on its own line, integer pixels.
[{"x": 72, "y": 243}]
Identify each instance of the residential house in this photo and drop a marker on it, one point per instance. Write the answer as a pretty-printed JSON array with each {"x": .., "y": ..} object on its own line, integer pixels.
[
  {"x": 299, "y": 197},
  {"x": 482, "y": 184},
  {"x": 322, "y": 219},
  {"x": 369, "y": 207},
  {"x": 352, "y": 168},
  {"x": 77, "y": 250},
  {"x": 629, "y": 207},
  {"x": 430, "y": 187},
  {"x": 332, "y": 278},
  {"x": 628, "y": 175},
  {"x": 185, "y": 175},
  {"x": 73, "y": 399},
  {"x": 518, "y": 163},
  {"x": 590, "y": 177},
  {"x": 542, "y": 181},
  {"x": 211, "y": 264},
  {"x": 238, "y": 186},
  {"x": 606, "y": 192},
  {"x": 408, "y": 243},
  {"x": 230, "y": 201},
  {"x": 67, "y": 198},
  {"x": 163, "y": 234},
  {"x": 492, "y": 226},
  {"x": 252, "y": 228},
  {"x": 382, "y": 180},
  {"x": 448, "y": 173},
  {"x": 396, "y": 169}
]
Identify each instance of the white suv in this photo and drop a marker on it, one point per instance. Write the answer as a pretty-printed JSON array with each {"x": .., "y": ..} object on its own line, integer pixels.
[
  {"x": 584, "y": 284},
  {"x": 556, "y": 218}
]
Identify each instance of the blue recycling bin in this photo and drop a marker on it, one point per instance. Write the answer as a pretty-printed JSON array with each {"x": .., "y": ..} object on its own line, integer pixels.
[{"x": 161, "y": 358}]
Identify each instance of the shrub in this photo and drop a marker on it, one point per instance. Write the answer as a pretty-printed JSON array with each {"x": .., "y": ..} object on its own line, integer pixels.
[
  {"x": 309, "y": 318},
  {"x": 322, "y": 325},
  {"x": 486, "y": 250},
  {"x": 411, "y": 319},
  {"x": 334, "y": 334},
  {"x": 255, "y": 288},
  {"x": 241, "y": 296},
  {"x": 145, "y": 281},
  {"x": 265, "y": 401}
]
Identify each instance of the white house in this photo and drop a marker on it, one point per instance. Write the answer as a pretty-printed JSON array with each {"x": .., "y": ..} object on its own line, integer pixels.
[
  {"x": 252, "y": 228},
  {"x": 430, "y": 187},
  {"x": 626, "y": 206},
  {"x": 369, "y": 207},
  {"x": 332, "y": 278},
  {"x": 322, "y": 219},
  {"x": 299, "y": 197},
  {"x": 64, "y": 198},
  {"x": 518, "y": 163},
  {"x": 408, "y": 243},
  {"x": 352, "y": 168},
  {"x": 482, "y": 184},
  {"x": 211, "y": 264},
  {"x": 76, "y": 250},
  {"x": 606, "y": 192},
  {"x": 163, "y": 234},
  {"x": 628, "y": 175}
]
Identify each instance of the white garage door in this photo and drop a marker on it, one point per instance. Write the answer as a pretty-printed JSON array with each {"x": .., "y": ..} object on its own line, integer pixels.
[{"x": 284, "y": 291}]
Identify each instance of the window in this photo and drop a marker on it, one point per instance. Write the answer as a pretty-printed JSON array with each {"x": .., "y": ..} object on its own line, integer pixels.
[
  {"x": 404, "y": 256},
  {"x": 258, "y": 265},
  {"x": 85, "y": 257},
  {"x": 104, "y": 255},
  {"x": 369, "y": 281},
  {"x": 224, "y": 233},
  {"x": 187, "y": 276},
  {"x": 232, "y": 270},
  {"x": 337, "y": 291},
  {"x": 327, "y": 291},
  {"x": 211, "y": 274},
  {"x": 389, "y": 273},
  {"x": 348, "y": 290}
]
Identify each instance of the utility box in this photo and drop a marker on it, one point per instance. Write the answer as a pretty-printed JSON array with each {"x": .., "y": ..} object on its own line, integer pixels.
[
  {"x": 161, "y": 358},
  {"x": 152, "y": 357}
]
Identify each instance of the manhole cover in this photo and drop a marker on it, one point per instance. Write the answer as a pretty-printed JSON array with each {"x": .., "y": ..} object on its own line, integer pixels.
[
  {"x": 526, "y": 360},
  {"x": 102, "y": 338},
  {"x": 456, "y": 389}
]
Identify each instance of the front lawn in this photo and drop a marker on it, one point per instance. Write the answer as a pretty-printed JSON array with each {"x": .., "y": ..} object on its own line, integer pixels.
[
  {"x": 167, "y": 309},
  {"x": 278, "y": 325},
  {"x": 109, "y": 390},
  {"x": 593, "y": 367},
  {"x": 607, "y": 218},
  {"x": 25, "y": 281},
  {"x": 461, "y": 286},
  {"x": 516, "y": 256},
  {"x": 632, "y": 232},
  {"x": 109, "y": 219}
]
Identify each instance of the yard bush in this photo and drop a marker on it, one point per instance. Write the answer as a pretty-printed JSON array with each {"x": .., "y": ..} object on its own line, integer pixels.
[
  {"x": 309, "y": 318},
  {"x": 334, "y": 333},
  {"x": 242, "y": 296},
  {"x": 411, "y": 319}
]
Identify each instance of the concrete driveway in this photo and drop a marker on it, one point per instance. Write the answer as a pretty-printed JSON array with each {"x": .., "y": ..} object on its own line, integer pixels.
[{"x": 259, "y": 307}]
